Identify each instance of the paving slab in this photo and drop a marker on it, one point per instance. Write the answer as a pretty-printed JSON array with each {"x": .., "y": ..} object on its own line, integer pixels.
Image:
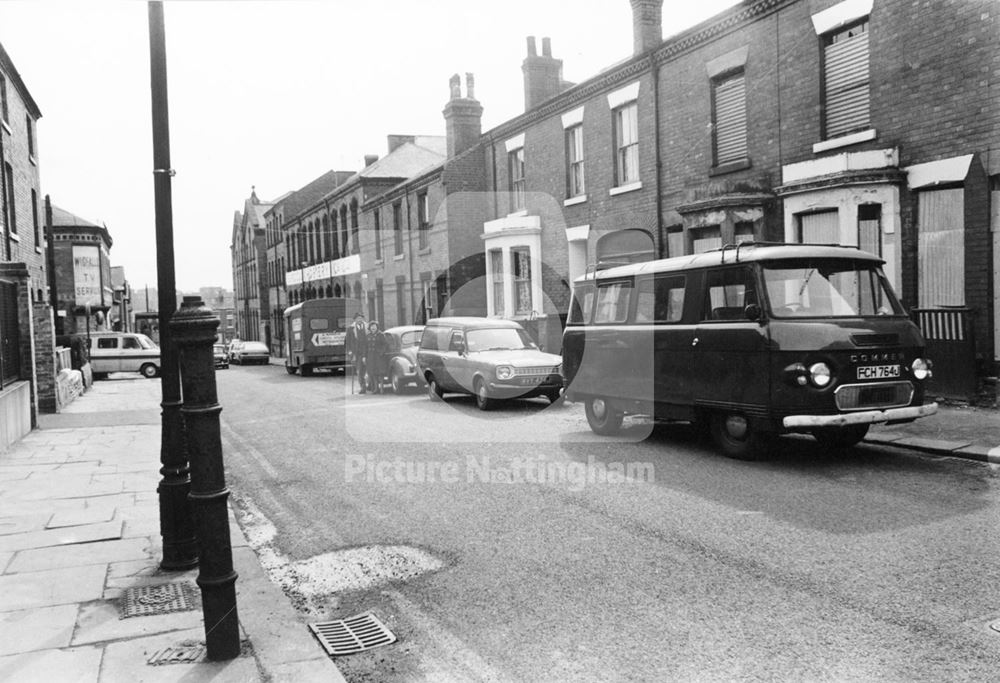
[
  {"x": 99, "y": 553},
  {"x": 18, "y": 524},
  {"x": 51, "y": 587},
  {"x": 936, "y": 445},
  {"x": 88, "y": 515},
  {"x": 87, "y": 533},
  {"x": 39, "y": 628},
  {"x": 81, "y": 665},
  {"x": 100, "y": 621},
  {"x": 127, "y": 661}
]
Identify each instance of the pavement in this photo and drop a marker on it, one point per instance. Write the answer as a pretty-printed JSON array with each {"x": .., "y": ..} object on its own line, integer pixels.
[{"x": 79, "y": 527}]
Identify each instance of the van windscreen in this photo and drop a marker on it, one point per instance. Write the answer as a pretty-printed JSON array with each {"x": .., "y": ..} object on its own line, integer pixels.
[{"x": 828, "y": 288}]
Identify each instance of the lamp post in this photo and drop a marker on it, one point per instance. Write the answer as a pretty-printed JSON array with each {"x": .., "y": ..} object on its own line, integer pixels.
[{"x": 176, "y": 525}]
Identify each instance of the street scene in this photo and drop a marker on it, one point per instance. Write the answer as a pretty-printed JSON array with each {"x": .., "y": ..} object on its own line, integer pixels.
[{"x": 629, "y": 342}]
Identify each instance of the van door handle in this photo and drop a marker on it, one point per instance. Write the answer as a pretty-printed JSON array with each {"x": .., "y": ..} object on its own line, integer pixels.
[{"x": 694, "y": 342}]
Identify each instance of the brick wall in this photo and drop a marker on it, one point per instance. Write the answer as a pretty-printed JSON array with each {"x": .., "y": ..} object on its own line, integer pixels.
[{"x": 45, "y": 362}]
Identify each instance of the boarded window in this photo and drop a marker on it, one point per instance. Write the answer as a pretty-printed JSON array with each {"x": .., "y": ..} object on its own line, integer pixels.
[
  {"x": 941, "y": 248},
  {"x": 705, "y": 239},
  {"x": 845, "y": 80},
  {"x": 730, "y": 110},
  {"x": 819, "y": 228},
  {"x": 870, "y": 228}
]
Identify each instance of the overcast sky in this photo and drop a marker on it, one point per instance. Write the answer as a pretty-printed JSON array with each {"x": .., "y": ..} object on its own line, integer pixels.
[{"x": 271, "y": 94}]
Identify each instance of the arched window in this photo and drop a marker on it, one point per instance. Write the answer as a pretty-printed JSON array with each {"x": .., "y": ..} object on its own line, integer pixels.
[
  {"x": 344, "y": 232},
  {"x": 337, "y": 291},
  {"x": 327, "y": 242},
  {"x": 355, "y": 237}
]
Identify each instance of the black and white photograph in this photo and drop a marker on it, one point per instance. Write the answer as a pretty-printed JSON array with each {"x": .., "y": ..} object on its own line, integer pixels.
[{"x": 446, "y": 342}]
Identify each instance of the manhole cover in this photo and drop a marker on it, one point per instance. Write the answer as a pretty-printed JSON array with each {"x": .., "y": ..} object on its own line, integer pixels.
[
  {"x": 142, "y": 601},
  {"x": 355, "y": 634},
  {"x": 184, "y": 653}
]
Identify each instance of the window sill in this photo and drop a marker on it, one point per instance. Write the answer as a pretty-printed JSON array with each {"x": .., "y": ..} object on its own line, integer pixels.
[
  {"x": 378, "y": 262},
  {"x": 622, "y": 189},
  {"x": 31, "y": 159},
  {"x": 845, "y": 140},
  {"x": 399, "y": 257},
  {"x": 729, "y": 167},
  {"x": 423, "y": 251},
  {"x": 38, "y": 250},
  {"x": 14, "y": 236},
  {"x": 579, "y": 199},
  {"x": 519, "y": 212}
]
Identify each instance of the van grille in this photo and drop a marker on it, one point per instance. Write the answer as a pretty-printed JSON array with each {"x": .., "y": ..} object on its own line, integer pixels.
[
  {"x": 537, "y": 371},
  {"x": 875, "y": 395},
  {"x": 875, "y": 339}
]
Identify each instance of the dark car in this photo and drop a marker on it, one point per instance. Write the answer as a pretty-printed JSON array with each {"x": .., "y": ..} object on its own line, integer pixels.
[
  {"x": 488, "y": 358},
  {"x": 400, "y": 362},
  {"x": 248, "y": 352},
  {"x": 221, "y": 356}
]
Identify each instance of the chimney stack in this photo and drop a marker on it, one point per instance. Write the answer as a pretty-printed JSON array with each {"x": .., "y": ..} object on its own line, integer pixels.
[
  {"x": 542, "y": 74},
  {"x": 647, "y": 25},
  {"x": 370, "y": 159},
  {"x": 463, "y": 116}
]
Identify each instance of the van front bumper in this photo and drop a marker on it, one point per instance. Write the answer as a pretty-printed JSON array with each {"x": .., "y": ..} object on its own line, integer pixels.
[{"x": 864, "y": 417}]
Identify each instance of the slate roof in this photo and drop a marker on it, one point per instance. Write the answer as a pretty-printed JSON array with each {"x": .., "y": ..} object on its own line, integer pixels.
[{"x": 66, "y": 221}]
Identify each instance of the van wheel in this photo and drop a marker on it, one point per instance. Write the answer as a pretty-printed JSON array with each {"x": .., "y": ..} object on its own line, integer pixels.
[
  {"x": 602, "y": 417},
  {"x": 736, "y": 438},
  {"x": 433, "y": 390},
  {"x": 396, "y": 381},
  {"x": 149, "y": 371},
  {"x": 290, "y": 369},
  {"x": 307, "y": 370},
  {"x": 840, "y": 437},
  {"x": 483, "y": 400}
]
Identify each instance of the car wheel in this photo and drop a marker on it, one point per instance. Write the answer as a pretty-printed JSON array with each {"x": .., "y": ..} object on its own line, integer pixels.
[
  {"x": 149, "y": 370},
  {"x": 553, "y": 396},
  {"x": 433, "y": 390},
  {"x": 841, "y": 437},
  {"x": 290, "y": 369},
  {"x": 483, "y": 400},
  {"x": 602, "y": 416},
  {"x": 736, "y": 438},
  {"x": 397, "y": 382}
]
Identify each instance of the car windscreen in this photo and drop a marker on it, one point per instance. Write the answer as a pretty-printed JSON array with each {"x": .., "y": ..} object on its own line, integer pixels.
[
  {"x": 828, "y": 288},
  {"x": 145, "y": 342},
  {"x": 500, "y": 338}
]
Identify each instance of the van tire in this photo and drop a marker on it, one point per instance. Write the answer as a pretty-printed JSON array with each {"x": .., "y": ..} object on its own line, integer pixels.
[
  {"x": 396, "y": 380},
  {"x": 307, "y": 370},
  {"x": 290, "y": 369},
  {"x": 149, "y": 371},
  {"x": 602, "y": 416},
  {"x": 483, "y": 400},
  {"x": 736, "y": 438},
  {"x": 841, "y": 437}
]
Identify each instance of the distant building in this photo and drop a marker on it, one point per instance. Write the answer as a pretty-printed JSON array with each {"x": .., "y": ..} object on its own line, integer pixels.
[
  {"x": 84, "y": 292},
  {"x": 248, "y": 251}
]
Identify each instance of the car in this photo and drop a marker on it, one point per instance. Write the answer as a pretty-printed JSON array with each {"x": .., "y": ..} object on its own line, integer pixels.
[
  {"x": 123, "y": 352},
  {"x": 221, "y": 356},
  {"x": 249, "y": 352},
  {"x": 489, "y": 358},
  {"x": 231, "y": 346},
  {"x": 400, "y": 360}
]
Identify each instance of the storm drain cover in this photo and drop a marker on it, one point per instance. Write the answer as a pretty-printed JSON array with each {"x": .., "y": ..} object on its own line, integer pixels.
[
  {"x": 141, "y": 601},
  {"x": 187, "y": 652},
  {"x": 352, "y": 635}
]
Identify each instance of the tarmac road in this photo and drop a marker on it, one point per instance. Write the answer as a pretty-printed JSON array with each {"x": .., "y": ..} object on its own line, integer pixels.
[{"x": 504, "y": 545}]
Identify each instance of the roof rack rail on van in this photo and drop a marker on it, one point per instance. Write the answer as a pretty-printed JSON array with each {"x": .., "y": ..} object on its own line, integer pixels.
[{"x": 764, "y": 243}]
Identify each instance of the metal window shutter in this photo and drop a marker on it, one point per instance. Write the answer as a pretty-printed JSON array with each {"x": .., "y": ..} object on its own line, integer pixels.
[
  {"x": 847, "y": 97},
  {"x": 820, "y": 228},
  {"x": 941, "y": 247},
  {"x": 730, "y": 120},
  {"x": 10, "y": 357}
]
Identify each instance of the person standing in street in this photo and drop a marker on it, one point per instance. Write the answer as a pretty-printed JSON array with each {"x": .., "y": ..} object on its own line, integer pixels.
[
  {"x": 375, "y": 364},
  {"x": 356, "y": 343}
]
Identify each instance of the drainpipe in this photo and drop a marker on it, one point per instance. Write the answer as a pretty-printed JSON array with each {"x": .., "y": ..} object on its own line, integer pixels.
[
  {"x": 654, "y": 69},
  {"x": 409, "y": 244},
  {"x": 3, "y": 202}
]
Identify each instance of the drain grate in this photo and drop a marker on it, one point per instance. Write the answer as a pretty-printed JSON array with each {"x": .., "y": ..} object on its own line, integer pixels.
[
  {"x": 187, "y": 652},
  {"x": 141, "y": 601},
  {"x": 352, "y": 635}
]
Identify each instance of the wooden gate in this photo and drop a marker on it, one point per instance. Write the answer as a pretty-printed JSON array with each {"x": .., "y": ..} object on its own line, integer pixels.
[{"x": 10, "y": 356}]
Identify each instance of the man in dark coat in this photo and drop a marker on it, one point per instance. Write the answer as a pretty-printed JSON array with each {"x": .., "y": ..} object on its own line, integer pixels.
[{"x": 356, "y": 343}]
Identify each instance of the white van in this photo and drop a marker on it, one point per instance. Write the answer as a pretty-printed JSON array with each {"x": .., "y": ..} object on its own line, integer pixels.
[{"x": 123, "y": 352}]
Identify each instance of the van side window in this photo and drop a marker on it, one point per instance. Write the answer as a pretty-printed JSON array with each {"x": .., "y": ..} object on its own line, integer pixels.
[
  {"x": 429, "y": 338},
  {"x": 612, "y": 302},
  {"x": 456, "y": 341},
  {"x": 660, "y": 299},
  {"x": 727, "y": 293},
  {"x": 130, "y": 343},
  {"x": 107, "y": 342},
  {"x": 581, "y": 308},
  {"x": 319, "y": 324}
]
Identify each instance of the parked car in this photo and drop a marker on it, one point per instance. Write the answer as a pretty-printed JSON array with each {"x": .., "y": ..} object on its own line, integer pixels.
[
  {"x": 490, "y": 359},
  {"x": 249, "y": 352},
  {"x": 221, "y": 356},
  {"x": 231, "y": 346},
  {"x": 123, "y": 352},
  {"x": 401, "y": 358}
]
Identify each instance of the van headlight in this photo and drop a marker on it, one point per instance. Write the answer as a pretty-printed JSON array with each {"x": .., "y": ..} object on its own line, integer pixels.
[
  {"x": 819, "y": 374},
  {"x": 921, "y": 368},
  {"x": 505, "y": 372}
]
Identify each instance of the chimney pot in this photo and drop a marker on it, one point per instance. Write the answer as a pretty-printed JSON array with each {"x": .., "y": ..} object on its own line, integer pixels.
[
  {"x": 546, "y": 47},
  {"x": 532, "y": 51},
  {"x": 470, "y": 86},
  {"x": 647, "y": 24},
  {"x": 455, "y": 85}
]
